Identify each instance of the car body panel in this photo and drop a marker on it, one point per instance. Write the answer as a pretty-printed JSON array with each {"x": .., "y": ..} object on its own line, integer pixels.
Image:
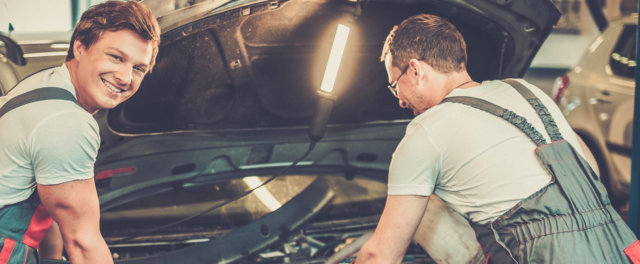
[
  {"x": 40, "y": 51},
  {"x": 167, "y": 158},
  {"x": 598, "y": 104}
]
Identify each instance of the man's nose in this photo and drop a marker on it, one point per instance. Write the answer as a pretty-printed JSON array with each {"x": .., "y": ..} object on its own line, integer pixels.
[{"x": 124, "y": 75}]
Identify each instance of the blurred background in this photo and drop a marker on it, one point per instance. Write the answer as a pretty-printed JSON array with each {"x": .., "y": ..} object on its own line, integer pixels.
[
  {"x": 28, "y": 20},
  {"x": 573, "y": 34}
]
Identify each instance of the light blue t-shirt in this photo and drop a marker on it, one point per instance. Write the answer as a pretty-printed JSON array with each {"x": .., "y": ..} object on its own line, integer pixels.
[
  {"x": 46, "y": 142},
  {"x": 479, "y": 164}
]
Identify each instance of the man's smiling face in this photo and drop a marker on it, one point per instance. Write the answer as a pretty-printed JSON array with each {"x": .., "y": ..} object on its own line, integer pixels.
[{"x": 110, "y": 71}]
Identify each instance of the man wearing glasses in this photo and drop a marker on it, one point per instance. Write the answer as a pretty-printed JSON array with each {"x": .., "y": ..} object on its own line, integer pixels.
[{"x": 500, "y": 153}]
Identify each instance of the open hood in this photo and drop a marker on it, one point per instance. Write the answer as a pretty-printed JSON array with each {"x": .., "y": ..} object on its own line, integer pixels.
[
  {"x": 258, "y": 64},
  {"x": 229, "y": 100}
]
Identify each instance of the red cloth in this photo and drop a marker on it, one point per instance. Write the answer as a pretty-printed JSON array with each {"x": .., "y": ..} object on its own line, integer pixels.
[{"x": 633, "y": 252}]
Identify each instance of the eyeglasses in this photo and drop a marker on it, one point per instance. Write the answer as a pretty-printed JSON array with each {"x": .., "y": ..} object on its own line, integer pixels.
[{"x": 393, "y": 85}]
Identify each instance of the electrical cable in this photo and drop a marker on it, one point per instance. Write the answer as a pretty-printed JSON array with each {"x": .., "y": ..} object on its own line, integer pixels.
[{"x": 312, "y": 145}]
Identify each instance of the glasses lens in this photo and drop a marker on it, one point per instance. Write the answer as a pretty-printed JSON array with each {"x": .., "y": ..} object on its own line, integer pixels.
[{"x": 392, "y": 88}]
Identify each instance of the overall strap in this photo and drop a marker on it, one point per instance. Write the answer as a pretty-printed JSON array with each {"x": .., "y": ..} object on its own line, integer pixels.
[
  {"x": 539, "y": 107},
  {"x": 511, "y": 117},
  {"x": 46, "y": 93}
]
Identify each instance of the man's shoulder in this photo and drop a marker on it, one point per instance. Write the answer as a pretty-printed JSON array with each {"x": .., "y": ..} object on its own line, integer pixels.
[
  {"x": 56, "y": 77},
  {"x": 39, "y": 111},
  {"x": 50, "y": 115},
  {"x": 50, "y": 77}
]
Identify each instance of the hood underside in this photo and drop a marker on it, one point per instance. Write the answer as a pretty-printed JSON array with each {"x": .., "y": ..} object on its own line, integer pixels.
[{"x": 259, "y": 65}]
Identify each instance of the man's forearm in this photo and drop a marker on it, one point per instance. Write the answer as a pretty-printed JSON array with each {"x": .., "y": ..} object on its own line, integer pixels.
[
  {"x": 372, "y": 253},
  {"x": 75, "y": 207},
  {"x": 398, "y": 223}
]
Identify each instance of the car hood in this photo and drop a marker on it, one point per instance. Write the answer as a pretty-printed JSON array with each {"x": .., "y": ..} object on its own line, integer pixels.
[
  {"x": 240, "y": 77},
  {"x": 258, "y": 64}
]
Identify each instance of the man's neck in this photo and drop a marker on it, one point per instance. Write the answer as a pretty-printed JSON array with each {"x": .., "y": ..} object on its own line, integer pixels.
[
  {"x": 458, "y": 80},
  {"x": 72, "y": 66}
]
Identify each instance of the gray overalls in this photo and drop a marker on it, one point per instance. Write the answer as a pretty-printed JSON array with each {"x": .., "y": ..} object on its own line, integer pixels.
[{"x": 570, "y": 220}]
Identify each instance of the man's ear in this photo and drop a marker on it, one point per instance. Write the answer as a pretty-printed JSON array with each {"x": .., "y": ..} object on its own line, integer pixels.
[
  {"x": 414, "y": 69},
  {"x": 78, "y": 49}
]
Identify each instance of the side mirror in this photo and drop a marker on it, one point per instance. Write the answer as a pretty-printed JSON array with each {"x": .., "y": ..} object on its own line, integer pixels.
[{"x": 14, "y": 51}]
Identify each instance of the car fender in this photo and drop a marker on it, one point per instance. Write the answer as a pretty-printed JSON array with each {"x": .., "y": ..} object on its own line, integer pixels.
[{"x": 582, "y": 120}]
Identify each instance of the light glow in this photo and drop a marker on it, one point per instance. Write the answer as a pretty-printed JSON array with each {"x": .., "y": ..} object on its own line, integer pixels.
[
  {"x": 262, "y": 193},
  {"x": 335, "y": 57}
]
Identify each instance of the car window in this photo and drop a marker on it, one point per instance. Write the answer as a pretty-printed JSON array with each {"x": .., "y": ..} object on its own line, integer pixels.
[{"x": 622, "y": 60}]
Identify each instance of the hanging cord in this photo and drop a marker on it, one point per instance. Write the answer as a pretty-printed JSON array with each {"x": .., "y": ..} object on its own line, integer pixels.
[{"x": 312, "y": 145}]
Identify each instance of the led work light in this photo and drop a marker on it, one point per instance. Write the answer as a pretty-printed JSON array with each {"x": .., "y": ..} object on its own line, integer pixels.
[{"x": 325, "y": 103}]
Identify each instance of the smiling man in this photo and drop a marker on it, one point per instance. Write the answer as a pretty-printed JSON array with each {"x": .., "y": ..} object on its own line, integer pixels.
[
  {"x": 111, "y": 71},
  {"x": 48, "y": 147}
]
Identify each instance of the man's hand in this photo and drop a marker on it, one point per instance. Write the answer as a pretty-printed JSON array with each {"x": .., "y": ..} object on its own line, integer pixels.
[
  {"x": 74, "y": 206},
  {"x": 398, "y": 223}
]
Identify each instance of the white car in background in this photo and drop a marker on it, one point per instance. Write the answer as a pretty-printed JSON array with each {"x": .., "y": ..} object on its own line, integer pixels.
[
  {"x": 597, "y": 98},
  {"x": 27, "y": 54}
]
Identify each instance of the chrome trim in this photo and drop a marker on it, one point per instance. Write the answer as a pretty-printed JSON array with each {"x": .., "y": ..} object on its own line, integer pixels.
[{"x": 45, "y": 54}]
